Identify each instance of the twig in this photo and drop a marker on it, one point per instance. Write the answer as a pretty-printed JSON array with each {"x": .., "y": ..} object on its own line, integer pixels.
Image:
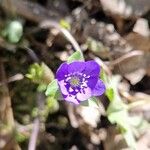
[
  {"x": 35, "y": 131},
  {"x": 65, "y": 32},
  {"x": 36, "y": 123},
  {"x": 6, "y": 113},
  {"x": 127, "y": 56},
  {"x": 138, "y": 103},
  {"x": 16, "y": 77},
  {"x": 73, "y": 120},
  {"x": 32, "y": 54}
]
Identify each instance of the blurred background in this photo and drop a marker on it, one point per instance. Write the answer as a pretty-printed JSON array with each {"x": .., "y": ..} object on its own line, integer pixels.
[{"x": 36, "y": 36}]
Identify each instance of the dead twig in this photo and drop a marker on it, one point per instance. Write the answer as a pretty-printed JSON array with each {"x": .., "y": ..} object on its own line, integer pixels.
[
  {"x": 6, "y": 114},
  {"x": 34, "y": 134},
  {"x": 65, "y": 32},
  {"x": 16, "y": 77},
  {"x": 129, "y": 62}
]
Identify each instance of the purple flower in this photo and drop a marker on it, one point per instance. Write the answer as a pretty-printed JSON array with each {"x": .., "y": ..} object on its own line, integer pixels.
[{"x": 79, "y": 81}]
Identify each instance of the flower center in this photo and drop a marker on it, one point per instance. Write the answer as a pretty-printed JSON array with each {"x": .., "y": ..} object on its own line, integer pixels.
[{"x": 74, "y": 81}]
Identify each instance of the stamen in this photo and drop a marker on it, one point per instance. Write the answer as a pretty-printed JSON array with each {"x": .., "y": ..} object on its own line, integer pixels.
[
  {"x": 68, "y": 78},
  {"x": 74, "y": 81},
  {"x": 76, "y": 90},
  {"x": 84, "y": 75},
  {"x": 88, "y": 76},
  {"x": 83, "y": 80},
  {"x": 70, "y": 89}
]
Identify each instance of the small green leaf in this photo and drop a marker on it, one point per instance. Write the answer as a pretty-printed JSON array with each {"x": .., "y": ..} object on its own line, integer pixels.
[
  {"x": 35, "y": 112},
  {"x": 91, "y": 102},
  {"x": 116, "y": 106},
  {"x": 41, "y": 74},
  {"x": 42, "y": 87},
  {"x": 117, "y": 111},
  {"x": 75, "y": 56},
  {"x": 58, "y": 95},
  {"x": 20, "y": 137},
  {"x": 121, "y": 118},
  {"x": 52, "y": 88},
  {"x": 14, "y": 31},
  {"x": 52, "y": 104},
  {"x": 35, "y": 73},
  {"x": 65, "y": 24},
  {"x": 117, "y": 114},
  {"x": 110, "y": 94},
  {"x": 103, "y": 76},
  {"x": 129, "y": 138}
]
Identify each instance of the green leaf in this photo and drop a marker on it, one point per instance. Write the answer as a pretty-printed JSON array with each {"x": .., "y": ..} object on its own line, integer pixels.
[
  {"x": 110, "y": 94},
  {"x": 58, "y": 95},
  {"x": 35, "y": 73},
  {"x": 75, "y": 56},
  {"x": 117, "y": 112},
  {"x": 116, "y": 106},
  {"x": 20, "y": 137},
  {"x": 41, "y": 74},
  {"x": 91, "y": 102},
  {"x": 35, "y": 112},
  {"x": 52, "y": 104},
  {"x": 121, "y": 118},
  {"x": 42, "y": 87},
  {"x": 14, "y": 31},
  {"x": 65, "y": 24},
  {"x": 103, "y": 76},
  {"x": 52, "y": 88},
  {"x": 129, "y": 138}
]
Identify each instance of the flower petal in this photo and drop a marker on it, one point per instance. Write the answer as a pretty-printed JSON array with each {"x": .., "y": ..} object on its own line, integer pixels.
[
  {"x": 62, "y": 71},
  {"x": 66, "y": 94},
  {"x": 76, "y": 66},
  {"x": 63, "y": 87},
  {"x": 92, "y": 68},
  {"x": 99, "y": 88},
  {"x": 71, "y": 98},
  {"x": 92, "y": 82},
  {"x": 84, "y": 94}
]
